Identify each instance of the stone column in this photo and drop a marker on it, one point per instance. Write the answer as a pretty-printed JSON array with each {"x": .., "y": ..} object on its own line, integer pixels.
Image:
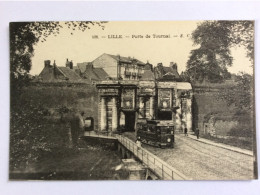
[
  {"x": 141, "y": 106},
  {"x": 103, "y": 115},
  {"x": 178, "y": 113},
  {"x": 114, "y": 114},
  {"x": 184, "y": 116},
  {"x": 189, "y": 114},
  {"x": 152, "y": 107}
]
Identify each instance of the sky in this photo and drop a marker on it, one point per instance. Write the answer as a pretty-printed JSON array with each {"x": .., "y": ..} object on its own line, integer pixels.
[{"x": 141, "y": 40}]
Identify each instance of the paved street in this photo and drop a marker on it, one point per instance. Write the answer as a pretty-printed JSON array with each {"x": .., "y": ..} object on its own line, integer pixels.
[{"x": 202, "y": 161}]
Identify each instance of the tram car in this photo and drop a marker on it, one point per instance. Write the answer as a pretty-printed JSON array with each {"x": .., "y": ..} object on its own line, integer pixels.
[{"x": 156, "y": 133}]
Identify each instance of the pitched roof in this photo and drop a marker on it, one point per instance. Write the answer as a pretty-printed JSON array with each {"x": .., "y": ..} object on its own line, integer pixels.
[
  {"x": 125, "y": 59},
  {"x": 69, "y": 73},
  {"x": 82, "y": 66},
  {"x": 87, "y": 69},
  {"x": 166, "y": 73},
  {"x": 171, "y": 70},
  {"x": 47, "y": 74},
  {"x": 89, "y": 72},
  {"x": 147, "y": 76},
  {"x": 100, "y": 73},
  {"x": 148, "y": 66}
]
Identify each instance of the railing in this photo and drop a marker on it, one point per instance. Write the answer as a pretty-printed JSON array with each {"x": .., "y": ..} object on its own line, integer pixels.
[
  {"x": 155, "y": 164},
  {"x": 100, "y": 134}
]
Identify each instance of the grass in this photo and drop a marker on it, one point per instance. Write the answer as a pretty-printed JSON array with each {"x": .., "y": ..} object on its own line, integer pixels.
[{"x": 90, "y": 163}]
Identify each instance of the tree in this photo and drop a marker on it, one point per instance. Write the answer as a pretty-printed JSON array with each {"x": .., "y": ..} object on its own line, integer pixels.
[
  {"x": 31, "y": 132},
  {"x": 215, "y": 38},
  {"x": 23, "y": 37},
  {"x": 241, "y": 94}
]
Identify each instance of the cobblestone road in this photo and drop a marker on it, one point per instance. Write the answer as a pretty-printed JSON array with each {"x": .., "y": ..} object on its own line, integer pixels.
[{"x": 202, "y": 161}]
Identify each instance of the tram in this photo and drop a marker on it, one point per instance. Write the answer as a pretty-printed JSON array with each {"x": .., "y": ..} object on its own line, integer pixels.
[{"x": 157, "y": 133}]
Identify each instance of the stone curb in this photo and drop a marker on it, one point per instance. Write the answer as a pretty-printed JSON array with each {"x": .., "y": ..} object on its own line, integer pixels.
[{"x": 232, "y": 148}]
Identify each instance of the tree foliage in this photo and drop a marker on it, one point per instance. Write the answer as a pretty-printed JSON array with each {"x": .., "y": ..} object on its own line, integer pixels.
[
  {"x": 241, "y": 98},
  {"x": 24, "y": 36},
  {"x": 213, "y": 56},
  {"x": 33, "y": 133},
  {"x": 240, "y": 95}
]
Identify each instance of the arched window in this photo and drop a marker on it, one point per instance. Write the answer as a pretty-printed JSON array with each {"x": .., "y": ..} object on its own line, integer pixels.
[{"x": 89, "y": 124}]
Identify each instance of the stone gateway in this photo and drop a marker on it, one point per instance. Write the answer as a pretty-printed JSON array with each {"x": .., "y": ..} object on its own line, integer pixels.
[{"x": 165, "y": 98}]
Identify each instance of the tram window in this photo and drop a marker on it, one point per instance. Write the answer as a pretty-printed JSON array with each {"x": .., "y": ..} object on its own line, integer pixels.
[{"x": 165, "y": 115}]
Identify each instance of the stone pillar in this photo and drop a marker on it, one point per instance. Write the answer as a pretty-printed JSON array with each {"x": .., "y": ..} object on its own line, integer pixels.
[
  {"x": 152, "y": 107},
  {"x": 103, "y": 115},
  {"x": 189, "y": 114},
  {"x": 114, "y": 114},
  {"x": 141, "y": 106},
  {"x": 178, "y": 113},
  {"x": 183, "y": 113}
]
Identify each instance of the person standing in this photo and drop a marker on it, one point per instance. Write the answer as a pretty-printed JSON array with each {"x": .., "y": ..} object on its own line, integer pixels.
[
  {"x": 198, "y": 133},
  {"x": 77, "y": 127},
  {"x": 138, "y": 144},
  {"x": 185, "y": 131}
]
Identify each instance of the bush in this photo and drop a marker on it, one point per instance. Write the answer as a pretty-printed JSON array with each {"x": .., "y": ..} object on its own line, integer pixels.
[{"x": 32, "y": 134}]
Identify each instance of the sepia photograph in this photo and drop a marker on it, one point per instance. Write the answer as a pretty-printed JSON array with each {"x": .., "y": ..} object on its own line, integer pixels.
[{"x": 132, "y": 100}]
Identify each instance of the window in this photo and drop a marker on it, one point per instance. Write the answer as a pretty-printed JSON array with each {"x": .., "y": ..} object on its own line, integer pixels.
[{"x": 165, "y": 115}]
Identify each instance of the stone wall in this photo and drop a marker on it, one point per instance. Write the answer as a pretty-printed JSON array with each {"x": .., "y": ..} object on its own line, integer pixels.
[
  {"x": 205, "y": 103},
  {"x": 75, "y": 97},
  {"x": 219, "y": 128},
  {"x": 85, "y": 97}
]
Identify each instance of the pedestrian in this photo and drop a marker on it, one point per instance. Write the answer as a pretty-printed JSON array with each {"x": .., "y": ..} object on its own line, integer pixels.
[
  {"x": 185, "y": 131},
  {"x": 198, "y": 133},
  {"x": 77, "y": 127},
  {"x": 138, "y": 144}
]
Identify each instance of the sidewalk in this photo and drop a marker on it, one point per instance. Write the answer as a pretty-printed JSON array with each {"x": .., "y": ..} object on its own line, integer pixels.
[{"x": 232, "y": 148}]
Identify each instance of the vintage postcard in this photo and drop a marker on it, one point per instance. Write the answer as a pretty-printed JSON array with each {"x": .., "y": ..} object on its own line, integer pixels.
[{"x": 132, "y": 100}]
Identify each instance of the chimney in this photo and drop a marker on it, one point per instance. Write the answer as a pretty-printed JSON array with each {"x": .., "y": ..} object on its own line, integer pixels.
[
  {"x": 71, "y": 64},
  {"x": 47, "y": 63},
  {"x": 54, "y": 64},
  {"x": 67, "y": 63},
  {"x": 173, "y": 65}
]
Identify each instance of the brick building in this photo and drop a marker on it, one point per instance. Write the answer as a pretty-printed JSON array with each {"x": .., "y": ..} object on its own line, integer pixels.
[
  {"x": 119, "y": 67},
  {"x": 83, "y": 72},
  {"x": 54, "y": 73}
]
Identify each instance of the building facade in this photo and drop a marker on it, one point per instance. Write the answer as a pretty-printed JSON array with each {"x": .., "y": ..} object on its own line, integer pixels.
[
  {"x": 123, "y": 103},
  {"x": 122, "y": 68}
]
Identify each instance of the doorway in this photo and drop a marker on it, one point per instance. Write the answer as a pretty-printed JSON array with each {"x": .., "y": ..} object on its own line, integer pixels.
[{"x": 130, "y": 121}]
